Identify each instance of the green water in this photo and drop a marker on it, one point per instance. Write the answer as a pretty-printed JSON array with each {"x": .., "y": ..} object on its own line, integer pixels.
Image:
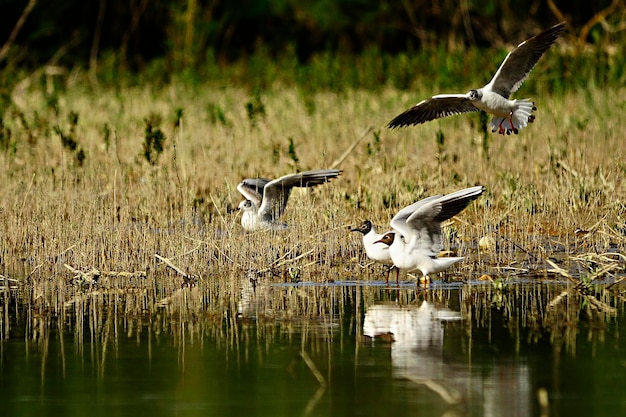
[{"x": 297, "y": 351}]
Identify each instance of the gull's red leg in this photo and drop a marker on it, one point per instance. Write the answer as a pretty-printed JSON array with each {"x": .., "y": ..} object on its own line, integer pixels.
[{"x": 501, "y": 129}]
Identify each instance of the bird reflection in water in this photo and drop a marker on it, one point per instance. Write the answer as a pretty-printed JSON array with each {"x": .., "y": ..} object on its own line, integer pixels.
[{"x": 417, "y": 354}]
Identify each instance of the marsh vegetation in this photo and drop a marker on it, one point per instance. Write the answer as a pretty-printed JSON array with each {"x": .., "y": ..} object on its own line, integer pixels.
[{"x": 108, "y": 180}]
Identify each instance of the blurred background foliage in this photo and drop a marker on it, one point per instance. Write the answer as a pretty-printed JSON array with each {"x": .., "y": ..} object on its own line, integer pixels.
[{"x": 325, "y": 43}]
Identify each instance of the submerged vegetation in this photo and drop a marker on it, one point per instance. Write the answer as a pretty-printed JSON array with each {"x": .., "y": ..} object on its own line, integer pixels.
[{"x": 308, "y": 342}]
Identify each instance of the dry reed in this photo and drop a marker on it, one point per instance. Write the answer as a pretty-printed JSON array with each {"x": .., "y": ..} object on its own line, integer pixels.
[{"x": 555, "y": 191}]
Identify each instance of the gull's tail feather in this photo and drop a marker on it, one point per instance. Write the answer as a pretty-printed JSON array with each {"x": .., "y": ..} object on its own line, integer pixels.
[
  {"x": 519, "y": 118},
  {"x": 441, "y": 264}
]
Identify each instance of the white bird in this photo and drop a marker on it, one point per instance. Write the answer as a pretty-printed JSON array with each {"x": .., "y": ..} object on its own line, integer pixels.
[
  {"x": 376, "y": 251},
  {"x": 266, "y": 199},
  {"x": 417, "y": 238},
  {"x": 493, "y": 98}
]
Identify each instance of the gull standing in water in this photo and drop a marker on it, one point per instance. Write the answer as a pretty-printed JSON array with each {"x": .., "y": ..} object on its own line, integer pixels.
[
  {"x": 416, "y": 241},
  {"x": 375, "y": 250},
  {"x": 509, "y": 116},
  {"x": 266, "y": 199}
]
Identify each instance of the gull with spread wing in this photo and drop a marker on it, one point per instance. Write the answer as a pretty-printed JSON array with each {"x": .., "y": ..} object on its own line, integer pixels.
[
  {"x": 374, "y": 249},
  {"x": 416, "y": 240},
  {"x": 509, "y": 116},
  {"x": 266, "y": 199}
]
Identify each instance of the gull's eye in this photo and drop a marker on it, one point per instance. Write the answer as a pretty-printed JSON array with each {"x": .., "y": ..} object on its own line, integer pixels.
[{"x": 245, "y": 204}]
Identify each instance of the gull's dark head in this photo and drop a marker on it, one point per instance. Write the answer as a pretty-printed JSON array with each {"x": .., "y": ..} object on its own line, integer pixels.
[
  {"x": 475, "y": 95},
  {"x": 364, "y": 227},
  {"x": 387, "y": 239},
  {"x": 246, "y": 205}
]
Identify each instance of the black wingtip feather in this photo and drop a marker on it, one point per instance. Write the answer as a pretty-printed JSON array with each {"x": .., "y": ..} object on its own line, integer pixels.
[
  {"x": 407, "y": 118},
  {"x": 453, "y": 207}
]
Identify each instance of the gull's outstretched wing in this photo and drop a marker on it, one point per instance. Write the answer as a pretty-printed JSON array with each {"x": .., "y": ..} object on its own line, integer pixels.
[
  {"x": 521, "y": 60},
  {"x": 426, "y": 220},
  {"x": 399, "y": 221},
  {"x": 276, "y": 192},
  {"x": 441, "y": 105},
  {"x": 252, "y": 189}
]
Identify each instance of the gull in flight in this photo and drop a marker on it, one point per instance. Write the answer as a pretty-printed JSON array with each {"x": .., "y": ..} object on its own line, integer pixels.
[
  {"x": 509, "y": 116},
  {"x": 374, "y": 249},
  {"x": 266, "y": 199},
  {"x": 416, "y": 239}
]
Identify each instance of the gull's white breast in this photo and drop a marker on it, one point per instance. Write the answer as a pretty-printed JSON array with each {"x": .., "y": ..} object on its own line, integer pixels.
[{"x": 495, "y": 104}]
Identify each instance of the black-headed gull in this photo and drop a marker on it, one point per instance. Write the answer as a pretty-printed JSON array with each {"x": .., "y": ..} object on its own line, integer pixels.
[
  {"x": 417, "y": 238},
  {"x": 266, "y": 199},
  {"x": 509, "y": 116},
  {"x": 376, "y": 251}
]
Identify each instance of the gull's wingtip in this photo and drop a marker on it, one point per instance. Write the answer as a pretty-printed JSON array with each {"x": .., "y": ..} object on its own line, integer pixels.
[
  {"x": 318, "y": 176},
  {"x": 397, "y": 123},
  {"x": 554, "y": 31},
  {"x": 471, "y": 192},
  {"x": 394, "y": 124},
  {"x": 332, "y": 173},
  {"x": 559, "y": 27},
  {"x": 475, "y": 191},
  {"x": 407, "y": 118}
]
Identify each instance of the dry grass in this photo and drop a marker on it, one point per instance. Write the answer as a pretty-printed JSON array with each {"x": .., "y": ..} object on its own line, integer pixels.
[{"x": 116, "y": 212}]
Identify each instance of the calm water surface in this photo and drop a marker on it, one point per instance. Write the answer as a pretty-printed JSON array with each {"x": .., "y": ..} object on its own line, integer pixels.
[{"x": 334, "y": 350}]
